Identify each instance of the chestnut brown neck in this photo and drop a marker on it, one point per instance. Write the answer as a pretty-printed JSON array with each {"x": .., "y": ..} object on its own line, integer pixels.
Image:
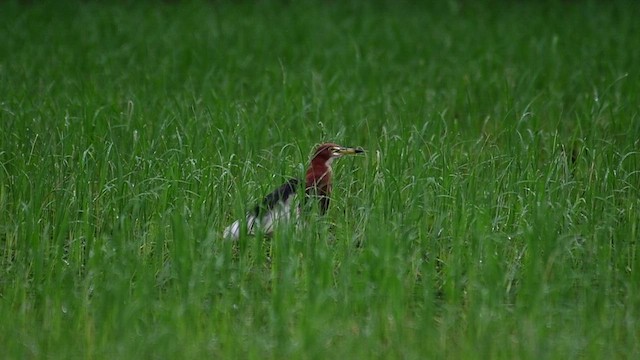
[
  {"x": 318, "y": 177},
  {"x": 319, "y": 174}
]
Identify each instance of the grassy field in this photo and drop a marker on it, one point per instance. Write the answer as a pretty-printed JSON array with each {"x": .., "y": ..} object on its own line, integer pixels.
[{"x": 495, "y": 215}]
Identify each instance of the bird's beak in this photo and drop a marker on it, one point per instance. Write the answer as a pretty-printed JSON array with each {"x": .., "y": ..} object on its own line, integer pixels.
[{"x": 350, "y": 151}]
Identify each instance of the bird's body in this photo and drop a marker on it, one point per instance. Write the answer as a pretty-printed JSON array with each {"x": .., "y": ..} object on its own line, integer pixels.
[{"x": 278, "y": 205}]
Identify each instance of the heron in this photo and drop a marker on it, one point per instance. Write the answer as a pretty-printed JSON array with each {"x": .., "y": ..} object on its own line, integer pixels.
[{"x": 277, "y": 206}]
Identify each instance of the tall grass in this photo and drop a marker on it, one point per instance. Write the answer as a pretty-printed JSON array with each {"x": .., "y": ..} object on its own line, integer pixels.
[{"x": 494, "y": 216}]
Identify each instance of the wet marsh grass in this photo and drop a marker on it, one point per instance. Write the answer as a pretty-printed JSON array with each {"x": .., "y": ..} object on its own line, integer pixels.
[{"x": 495, "y": 214}]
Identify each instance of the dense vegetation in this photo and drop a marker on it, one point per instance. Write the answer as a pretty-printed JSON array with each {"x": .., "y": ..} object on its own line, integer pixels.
[{"x": 495, "y": 214}]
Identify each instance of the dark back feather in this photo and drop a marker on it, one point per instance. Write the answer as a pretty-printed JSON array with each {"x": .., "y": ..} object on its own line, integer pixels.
[{"x": 279, "y": 195}]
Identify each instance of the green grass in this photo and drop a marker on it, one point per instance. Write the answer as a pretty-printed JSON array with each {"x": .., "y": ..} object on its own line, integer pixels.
[{"x": 494, "y": 216}]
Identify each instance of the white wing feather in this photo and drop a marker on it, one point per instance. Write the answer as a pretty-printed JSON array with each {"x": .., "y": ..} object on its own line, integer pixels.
[{"x": 280, "y": 213}]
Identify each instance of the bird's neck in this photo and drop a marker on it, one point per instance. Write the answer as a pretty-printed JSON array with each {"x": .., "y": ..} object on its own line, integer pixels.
[{"x": 319, "y": 174}]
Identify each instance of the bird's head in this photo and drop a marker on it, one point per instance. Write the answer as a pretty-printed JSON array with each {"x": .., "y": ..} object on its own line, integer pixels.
[{"x": 325, "y": 153}]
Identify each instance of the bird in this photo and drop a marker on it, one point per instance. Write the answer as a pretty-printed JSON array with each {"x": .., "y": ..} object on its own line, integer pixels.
[{"x": 277, "y": 206}]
